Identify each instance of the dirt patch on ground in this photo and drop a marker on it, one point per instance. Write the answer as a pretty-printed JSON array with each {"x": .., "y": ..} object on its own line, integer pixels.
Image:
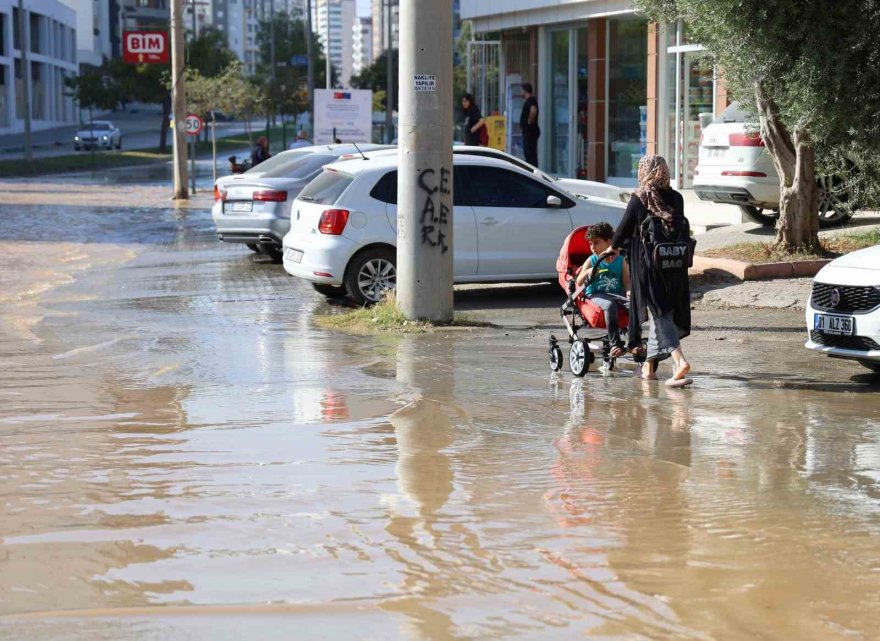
[{"x": 832, "y": 247}]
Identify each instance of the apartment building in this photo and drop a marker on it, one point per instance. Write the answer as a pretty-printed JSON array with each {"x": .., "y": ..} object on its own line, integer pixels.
[
  {"x": 362, "y": 38},
  {"x": 240, "y": 20},
  {"x": 336, "y": 19},
  {"x": 50, "y": 38}
]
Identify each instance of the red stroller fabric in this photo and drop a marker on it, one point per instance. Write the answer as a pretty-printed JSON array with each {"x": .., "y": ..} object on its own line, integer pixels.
[{"x": 574, "y": 252}]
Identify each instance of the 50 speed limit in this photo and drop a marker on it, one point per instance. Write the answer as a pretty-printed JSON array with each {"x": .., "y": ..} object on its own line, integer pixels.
[{"x": 193, "y": 125}]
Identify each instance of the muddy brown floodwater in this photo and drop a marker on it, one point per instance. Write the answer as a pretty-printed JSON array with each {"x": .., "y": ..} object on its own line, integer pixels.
[{"x": 185, "y": 456}]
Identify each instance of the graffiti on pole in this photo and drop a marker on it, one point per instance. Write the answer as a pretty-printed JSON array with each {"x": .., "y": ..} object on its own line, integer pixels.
[{"x": 435, "y": 215}]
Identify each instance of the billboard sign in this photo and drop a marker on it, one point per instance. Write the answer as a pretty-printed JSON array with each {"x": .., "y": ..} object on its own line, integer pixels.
[
  {"x": 145, "y": 47},
  {"x": 346, "y": 112}
]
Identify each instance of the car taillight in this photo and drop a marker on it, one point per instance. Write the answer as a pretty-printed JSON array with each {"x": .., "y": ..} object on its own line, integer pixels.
[
  {"x": 271, "y": 196},
  {"x": 219, "y": 195},
  {"x": 746, "y": 140},
  {"x": 333, "y": 221}
]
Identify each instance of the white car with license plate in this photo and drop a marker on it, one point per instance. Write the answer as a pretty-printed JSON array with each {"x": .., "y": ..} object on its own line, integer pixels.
[
  {"x": 508, "y": 225},
  {"x": 735, "y": 168},
  {"x": 843, "y": 315}
]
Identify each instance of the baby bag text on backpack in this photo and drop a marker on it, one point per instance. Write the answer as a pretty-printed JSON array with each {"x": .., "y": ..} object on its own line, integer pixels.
[{"x": 669, "y": 245}]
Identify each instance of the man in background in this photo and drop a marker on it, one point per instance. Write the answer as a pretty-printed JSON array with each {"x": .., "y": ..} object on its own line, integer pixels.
[
  {"x": 528, "y": 124},
  {"x": 302, "y": 140}
]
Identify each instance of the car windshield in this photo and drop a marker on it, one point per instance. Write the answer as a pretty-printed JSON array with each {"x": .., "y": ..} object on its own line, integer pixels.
[
  {"x": 300, "y": 167},
  {"x": 97, "y": 126},
  {"x": 277, "y": 160},
  {"x": 326, "y": 188}
]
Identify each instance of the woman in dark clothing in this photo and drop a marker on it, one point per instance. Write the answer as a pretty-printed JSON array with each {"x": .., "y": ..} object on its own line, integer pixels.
[
  {"x": 473, "y": 120},
  {"x": 260, "y": 151},
  {"x": 663, "y": 298}
]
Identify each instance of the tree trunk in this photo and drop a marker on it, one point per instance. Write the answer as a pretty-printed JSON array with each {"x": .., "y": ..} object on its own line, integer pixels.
[
  {"x": 163, "y": 134},
  {"x": 213, "y": 146},
  {"x": 794, "y": 159}
]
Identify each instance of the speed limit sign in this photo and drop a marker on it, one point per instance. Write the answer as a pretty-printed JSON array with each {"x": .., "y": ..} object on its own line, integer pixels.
[{"x": 193, "y": 125}]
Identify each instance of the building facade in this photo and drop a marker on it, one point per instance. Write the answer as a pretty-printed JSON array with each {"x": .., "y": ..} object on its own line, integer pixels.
[
  {"x": 336, "y": 19},
  {"x": 50, "y": 38},
  {"x": 379, "y": 14},
  {"x": 362, "y": 38},
  {"x": 611, "y": 86},
  {"x": 94, "y": 19}
]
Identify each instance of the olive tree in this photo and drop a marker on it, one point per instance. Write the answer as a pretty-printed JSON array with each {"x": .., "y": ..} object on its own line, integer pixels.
[{"x": 812, "y": 70}]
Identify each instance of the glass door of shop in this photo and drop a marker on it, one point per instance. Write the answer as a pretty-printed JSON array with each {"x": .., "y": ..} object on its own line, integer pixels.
[
  {"x": 567, "y": 101},
  {"x": 690, "y": 103},
  {"x": 627, "y": 98}
]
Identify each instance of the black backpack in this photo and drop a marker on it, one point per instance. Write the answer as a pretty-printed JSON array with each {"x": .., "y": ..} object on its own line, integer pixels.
[{"x": 669, "y": 246}]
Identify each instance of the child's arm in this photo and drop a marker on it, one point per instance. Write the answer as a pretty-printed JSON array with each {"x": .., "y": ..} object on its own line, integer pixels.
[
  {"x": 626, "y": 281},
  {"x": 584, "y": 273}
]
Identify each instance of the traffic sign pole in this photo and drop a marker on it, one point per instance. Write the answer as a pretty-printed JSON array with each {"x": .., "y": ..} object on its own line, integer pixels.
[{"x": 193, "y": 125}]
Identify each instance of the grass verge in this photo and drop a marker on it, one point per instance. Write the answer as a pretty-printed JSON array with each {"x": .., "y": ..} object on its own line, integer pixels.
[
  {"x": 385, "y": 317},
  {"x": 832, "y": 247}
]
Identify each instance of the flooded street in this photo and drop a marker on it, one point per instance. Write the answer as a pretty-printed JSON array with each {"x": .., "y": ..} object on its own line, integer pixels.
[{"x": 186, "y": 456}]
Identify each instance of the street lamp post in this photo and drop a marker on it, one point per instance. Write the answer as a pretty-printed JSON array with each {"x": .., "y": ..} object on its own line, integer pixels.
[{"x": 389, "y": 72}]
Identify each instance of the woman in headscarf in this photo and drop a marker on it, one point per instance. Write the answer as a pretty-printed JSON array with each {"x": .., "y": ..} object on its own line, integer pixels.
[{"x": 663, "y": 298}]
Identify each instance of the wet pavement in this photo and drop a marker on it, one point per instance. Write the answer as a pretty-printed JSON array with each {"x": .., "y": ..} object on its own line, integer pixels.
[{"x": 184, "y": 455}]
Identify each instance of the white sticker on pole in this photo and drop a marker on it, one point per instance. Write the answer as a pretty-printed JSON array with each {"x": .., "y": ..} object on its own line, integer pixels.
[{"x": 425, "y": 82}]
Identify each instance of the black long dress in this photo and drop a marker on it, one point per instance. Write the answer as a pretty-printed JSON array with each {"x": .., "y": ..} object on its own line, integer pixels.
[
  {"x": 472, "y": 117},
  {"x": 650, "y": 288}
]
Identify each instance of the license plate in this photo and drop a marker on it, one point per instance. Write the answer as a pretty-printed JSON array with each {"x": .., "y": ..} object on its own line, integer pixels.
[
  {"x": 294, "y": 255},
  {"x": 241, "y": 205},
  {"x": 837, "y": 325},
  {"x": 716, "y": 152}
]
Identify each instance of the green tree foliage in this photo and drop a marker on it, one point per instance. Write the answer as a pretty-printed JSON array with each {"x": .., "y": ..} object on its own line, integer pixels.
[
  {"x": 145, "y": 83},
  {"x": 811, "y": 68},
  {"x": 285, "y": 85},
  {"x": 94, "y": 88},
  {"x": 208, "y": 53},
  {"x": 375, "y": 77}
]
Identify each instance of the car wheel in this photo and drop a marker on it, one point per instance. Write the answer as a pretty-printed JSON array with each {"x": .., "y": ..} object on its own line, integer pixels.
[
  {"x": 874, "y": 366},
  {"x": 370, "y": 275},
  {"x": 835, "y": 201},
  {"x": 75, "y": 148},
  {"x": 766, "y": 217},
  {"x": 330, "y": 291},
  {"x": 272, "y": 251},
  {"x": 254, "y": 247}
]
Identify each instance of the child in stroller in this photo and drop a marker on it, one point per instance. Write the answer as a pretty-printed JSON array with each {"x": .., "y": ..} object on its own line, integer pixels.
[{"x": 595, "y": 281}]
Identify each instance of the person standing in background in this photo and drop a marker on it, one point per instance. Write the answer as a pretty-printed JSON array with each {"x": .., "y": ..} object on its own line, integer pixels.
[
  {"x": 528, "y": 124},
  {"x": 473, "y": 121}
]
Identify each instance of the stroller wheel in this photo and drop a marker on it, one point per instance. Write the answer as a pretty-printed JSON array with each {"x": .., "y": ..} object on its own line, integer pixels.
[
  {"x": 555, "y": 358},
  {"x": 580, "y": 357}
]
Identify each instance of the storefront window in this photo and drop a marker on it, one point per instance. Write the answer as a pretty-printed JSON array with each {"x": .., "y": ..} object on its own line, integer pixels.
[
  {"x": 627, "y": 98},
  {"x": 690, "y": 87},
  {"x": 583, "y": 103},
  {"x": 560, "y": 112}
]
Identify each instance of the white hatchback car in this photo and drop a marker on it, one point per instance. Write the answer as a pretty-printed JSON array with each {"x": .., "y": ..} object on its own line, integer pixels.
[
  {"x": 843, "y": 315},
  {"x": 735, "y": 168},
  {"x": 508, "y": 225}
]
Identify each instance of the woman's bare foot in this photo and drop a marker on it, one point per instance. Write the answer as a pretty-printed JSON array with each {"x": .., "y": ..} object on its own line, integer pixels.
[
  {"x": 681, "y": 370},
  {"x": 648, "y": 371}
]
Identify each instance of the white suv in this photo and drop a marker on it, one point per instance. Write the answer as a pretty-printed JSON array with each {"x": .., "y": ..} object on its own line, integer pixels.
[
  {"x": 736, "y": 168},
  {"x": 843, "y": 315},
  {"x": 508, "y": 225}
]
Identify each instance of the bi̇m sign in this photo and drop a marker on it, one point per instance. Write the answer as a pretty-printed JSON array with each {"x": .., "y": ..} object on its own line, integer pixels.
[{"x": 145, "y": 47}]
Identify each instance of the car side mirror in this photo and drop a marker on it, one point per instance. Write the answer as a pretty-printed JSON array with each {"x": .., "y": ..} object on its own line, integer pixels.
[{"x": 554, "y": 201}]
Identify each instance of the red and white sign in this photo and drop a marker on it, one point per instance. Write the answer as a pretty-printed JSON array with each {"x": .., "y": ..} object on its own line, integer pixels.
[
  {"x": 193, "y": 125},
  {"x": 149, "y": 47}
]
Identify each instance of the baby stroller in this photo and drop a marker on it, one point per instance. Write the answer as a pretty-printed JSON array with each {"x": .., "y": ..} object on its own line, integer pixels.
[{"x": 581, "y": 314}]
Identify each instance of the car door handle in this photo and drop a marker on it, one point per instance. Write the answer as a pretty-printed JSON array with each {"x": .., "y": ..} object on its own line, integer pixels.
[{"x": 488, "y": 221}]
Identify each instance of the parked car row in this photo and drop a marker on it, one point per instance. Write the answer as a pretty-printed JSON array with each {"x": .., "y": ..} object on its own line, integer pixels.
[{"x": 330, "y": 214}]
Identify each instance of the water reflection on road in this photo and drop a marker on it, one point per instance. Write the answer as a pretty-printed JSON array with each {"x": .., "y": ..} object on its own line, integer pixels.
[{"x": 186, "y": 456}]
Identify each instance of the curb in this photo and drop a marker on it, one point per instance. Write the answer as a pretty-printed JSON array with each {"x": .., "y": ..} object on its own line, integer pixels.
[{"x": 759, "y": 271}]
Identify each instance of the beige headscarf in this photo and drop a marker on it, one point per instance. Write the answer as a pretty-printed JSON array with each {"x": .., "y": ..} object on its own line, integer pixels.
[{"x": 654, "y": 175}]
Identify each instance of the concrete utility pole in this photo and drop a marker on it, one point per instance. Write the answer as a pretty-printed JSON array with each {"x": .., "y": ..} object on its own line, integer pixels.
[
  {"x": 389, "y": 74},
  {"x": 178, "y": 100},
  {"x": 424, "y": 185},
  {"x": 24, "y": 43},
  {"x": 310, "y": 54}
]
